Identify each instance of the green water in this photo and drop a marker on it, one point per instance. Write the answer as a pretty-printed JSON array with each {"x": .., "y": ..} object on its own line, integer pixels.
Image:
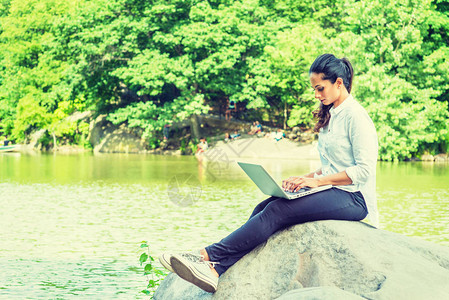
[{"x": 71, "y": 225}]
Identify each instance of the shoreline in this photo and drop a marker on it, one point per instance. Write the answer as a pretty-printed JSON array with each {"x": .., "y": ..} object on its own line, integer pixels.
[{"x": 246, "y": 147}]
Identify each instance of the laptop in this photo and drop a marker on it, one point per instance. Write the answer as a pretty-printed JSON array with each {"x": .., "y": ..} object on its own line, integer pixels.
[{"x": 269, "y": 187}]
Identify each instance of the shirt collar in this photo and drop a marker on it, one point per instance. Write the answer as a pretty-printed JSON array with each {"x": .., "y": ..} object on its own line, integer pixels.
[{"x": 347, "y": 102}]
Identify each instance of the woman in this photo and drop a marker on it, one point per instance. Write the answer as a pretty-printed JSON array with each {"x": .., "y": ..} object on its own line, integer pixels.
[{"x": 348, "y": 151}]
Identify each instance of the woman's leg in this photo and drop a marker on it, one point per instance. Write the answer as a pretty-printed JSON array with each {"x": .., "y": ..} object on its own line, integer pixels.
[
  {"x": 274, "y": 214},
  {"x": 259, "y": 207}
]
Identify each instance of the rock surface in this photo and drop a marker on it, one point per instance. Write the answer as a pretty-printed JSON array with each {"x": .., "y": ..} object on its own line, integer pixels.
[
  {"x": 329, "y": 260},
  {"x": 320, "y": 293},
  {"x": 108, "y": 138},
  {"x": 427, "y": 157},
  {"x": 34, "y": 142},
  {"x": 442, "y": 157}
]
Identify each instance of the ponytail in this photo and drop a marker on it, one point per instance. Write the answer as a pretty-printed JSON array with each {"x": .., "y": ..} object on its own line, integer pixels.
[{"x": 348, "y": 65}]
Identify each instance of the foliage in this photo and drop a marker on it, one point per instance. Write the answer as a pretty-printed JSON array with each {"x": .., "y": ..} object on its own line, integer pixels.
[
  {"x": 32, "y": 85},
  {"x": 153, "y": 274},
  {"x": 406, "y": 105},
  {"x": 154, "y": 63}
]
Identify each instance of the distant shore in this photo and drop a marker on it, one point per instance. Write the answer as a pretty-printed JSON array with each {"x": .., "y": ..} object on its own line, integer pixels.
[{"x": 245, "y": 147}]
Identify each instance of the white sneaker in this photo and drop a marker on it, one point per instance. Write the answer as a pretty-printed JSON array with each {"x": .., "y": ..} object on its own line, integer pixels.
[
  {"x": 197, "y": 272},
  {"x": 164, "y": 259}
]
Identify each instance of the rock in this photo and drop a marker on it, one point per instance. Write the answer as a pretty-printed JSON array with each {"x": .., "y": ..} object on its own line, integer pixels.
[
  {"x": 441, "y": 157},
  {"x": 308, "y": 137},
  {"x": 173, "y": 288},
  {"x": 79, "y": 116},
  {"x": 340, "y": 258},
  {"x": 71, "y": 149},
  {"x": 427, "y": 157},
  {"x": 225, "y": 125},
  {"x": 164, "y": 152},
  {"x": 413, "y": 158},
  {"x": 36, "y": 137},
  {"x": 108, "y": 138},
  {"x": 296, "y": 130},
  {"x": 320, "y": 293},
  {"x": 292, "y": 136}
]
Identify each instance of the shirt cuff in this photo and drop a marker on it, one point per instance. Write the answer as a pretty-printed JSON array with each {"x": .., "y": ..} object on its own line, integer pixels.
[{"x": 352, "y": 174}]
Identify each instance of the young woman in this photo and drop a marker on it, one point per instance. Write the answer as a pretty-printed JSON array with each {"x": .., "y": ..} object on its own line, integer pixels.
[{"x": 347, "y": 145}]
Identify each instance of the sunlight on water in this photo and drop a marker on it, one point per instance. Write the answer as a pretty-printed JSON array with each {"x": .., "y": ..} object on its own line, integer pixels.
[{"x": 71, "y": 226}]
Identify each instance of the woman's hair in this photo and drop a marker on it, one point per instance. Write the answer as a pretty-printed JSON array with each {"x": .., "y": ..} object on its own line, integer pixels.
[{"x": 331, "y": 68}]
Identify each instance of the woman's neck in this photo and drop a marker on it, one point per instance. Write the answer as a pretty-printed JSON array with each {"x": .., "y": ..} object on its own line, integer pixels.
[{"x": 343, "y": 96}]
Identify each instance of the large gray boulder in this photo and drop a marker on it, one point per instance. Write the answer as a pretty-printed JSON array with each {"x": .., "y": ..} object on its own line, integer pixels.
[{"x": 329, "y": 260}]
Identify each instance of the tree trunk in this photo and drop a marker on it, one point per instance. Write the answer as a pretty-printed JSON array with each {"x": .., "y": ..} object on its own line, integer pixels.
[
  {"x": 285, "y": 115},
  {"x": 195, "y": 127},
  {"x": 54, "y": 142}
]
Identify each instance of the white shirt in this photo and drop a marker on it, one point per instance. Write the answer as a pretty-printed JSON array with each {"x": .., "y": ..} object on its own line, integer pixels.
[{"x": 349, "y": 143}]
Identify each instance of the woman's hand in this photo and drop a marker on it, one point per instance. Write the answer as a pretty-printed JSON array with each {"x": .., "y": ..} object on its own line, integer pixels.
[{"x": 295, "y": 183}]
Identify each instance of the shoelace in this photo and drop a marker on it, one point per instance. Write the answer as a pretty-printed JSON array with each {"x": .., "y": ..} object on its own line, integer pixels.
[
  {"x": 211, "y": 264},
  {"x": 198, "y": 258},
  {"x": 193, "y": 257}
]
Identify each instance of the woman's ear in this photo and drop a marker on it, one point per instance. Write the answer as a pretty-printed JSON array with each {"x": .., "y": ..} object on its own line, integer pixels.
[{"x": 339, "y": 82}]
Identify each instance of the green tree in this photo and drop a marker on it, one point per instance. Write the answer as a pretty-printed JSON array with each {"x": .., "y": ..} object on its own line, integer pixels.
[
  {"x": 197, "y": 61},
  {"x": 31, "y": 74},
  {"x": 152, "y": 63},
  {"x": 406, "y": 105}
]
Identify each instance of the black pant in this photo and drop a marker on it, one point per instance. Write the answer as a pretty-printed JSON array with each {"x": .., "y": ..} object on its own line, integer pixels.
[{"x": 275, "y": 214}]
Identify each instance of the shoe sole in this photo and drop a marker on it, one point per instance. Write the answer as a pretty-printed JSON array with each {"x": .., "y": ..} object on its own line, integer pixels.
[
  {"x": 191, "y": 275},
  {"x": 164, "y": 262}
]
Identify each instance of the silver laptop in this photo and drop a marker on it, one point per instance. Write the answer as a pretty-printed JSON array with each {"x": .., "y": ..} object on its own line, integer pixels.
[{"x": 269, "y": 187}]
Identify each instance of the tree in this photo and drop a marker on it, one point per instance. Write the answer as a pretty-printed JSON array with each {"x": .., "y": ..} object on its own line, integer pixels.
[
  {"x": 30, "y": 84},
  {"x": 407, "y": 108},
  {"x": 197, "y": 61},
  {"x": 149, "y": 63}
]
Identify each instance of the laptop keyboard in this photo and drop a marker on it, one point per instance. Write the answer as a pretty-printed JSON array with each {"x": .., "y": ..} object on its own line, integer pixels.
[{"x": 304, "y": 189}]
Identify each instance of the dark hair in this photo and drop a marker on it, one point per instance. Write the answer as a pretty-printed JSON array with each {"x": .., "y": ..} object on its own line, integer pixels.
[{"x": 331, "y": 68}]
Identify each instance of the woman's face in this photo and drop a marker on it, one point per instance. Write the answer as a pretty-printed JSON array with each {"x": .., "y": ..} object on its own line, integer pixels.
[{"x": 327, "y": 92}]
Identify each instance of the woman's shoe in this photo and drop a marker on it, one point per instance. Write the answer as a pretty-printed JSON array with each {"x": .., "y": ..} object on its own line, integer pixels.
[
  {"x": 164, "y": 259},
  {"x": 197, "y": 272}
]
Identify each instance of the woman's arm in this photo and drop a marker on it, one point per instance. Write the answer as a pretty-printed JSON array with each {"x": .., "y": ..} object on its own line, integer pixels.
[
  {"x": 312, "y": 175},
  {"x": 294, "y": 184}
]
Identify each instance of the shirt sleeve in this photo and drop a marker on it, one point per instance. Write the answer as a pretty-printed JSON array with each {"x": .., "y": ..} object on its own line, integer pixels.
[{"x": 363, "y": 137}]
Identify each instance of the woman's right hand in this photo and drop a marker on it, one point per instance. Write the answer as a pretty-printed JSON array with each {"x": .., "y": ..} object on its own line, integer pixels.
[{"x": 295, "y": 183}]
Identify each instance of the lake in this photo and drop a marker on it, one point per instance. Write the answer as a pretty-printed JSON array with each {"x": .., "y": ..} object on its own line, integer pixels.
[{"x": 71, "y": 225}]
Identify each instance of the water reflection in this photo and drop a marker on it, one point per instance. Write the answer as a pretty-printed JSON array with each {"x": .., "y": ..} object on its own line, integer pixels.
[
  {"x": 72, "y": 225},
  {"x": 414, "y": 199}
]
